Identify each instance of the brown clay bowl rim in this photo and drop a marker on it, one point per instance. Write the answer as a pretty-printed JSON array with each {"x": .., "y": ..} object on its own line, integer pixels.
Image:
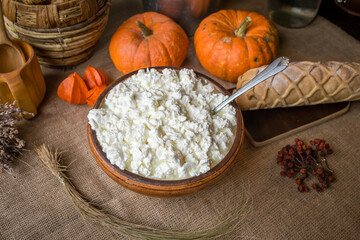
[{"x": 239, "y": 133}]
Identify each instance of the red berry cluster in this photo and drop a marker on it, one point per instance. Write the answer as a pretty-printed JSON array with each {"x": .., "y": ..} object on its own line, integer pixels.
[{"x": 302, "y": 161}]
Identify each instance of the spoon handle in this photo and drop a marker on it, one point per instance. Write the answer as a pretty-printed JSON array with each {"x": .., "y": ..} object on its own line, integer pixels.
[{"x": 275, "y": 67}]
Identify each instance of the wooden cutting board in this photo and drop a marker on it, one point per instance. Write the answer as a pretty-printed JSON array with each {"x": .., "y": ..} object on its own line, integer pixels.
[{"x": 268, "y": 125}]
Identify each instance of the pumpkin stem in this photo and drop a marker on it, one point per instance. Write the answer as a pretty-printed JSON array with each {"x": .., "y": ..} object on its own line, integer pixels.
[
  {"x": 145, "y": 31},
  {"x": 240, "y": 31}
]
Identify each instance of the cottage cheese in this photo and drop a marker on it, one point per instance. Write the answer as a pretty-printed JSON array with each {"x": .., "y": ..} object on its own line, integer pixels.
[{"x": 160, "y": 125}]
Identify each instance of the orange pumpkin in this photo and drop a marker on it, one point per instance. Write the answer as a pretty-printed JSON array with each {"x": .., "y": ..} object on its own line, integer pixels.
[
  {"x": 73, "y": 89},
  {"x": 230, "y": 42},
  {"x": 147, "y": 40},
  {"x": 198, "y": 7},
  {"x": 171, "y": 8}
]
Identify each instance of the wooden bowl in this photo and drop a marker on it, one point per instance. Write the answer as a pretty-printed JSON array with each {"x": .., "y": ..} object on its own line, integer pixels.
[{"x": 166, "y": 188}]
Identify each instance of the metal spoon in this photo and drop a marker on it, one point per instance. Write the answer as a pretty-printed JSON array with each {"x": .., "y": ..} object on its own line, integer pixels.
[
  {"x": 275, "y": 67},
  {"x": 11, "y": 55}
]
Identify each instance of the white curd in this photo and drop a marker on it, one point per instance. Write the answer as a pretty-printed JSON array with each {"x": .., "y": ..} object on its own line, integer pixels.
[{"x": 160, "y": 125}]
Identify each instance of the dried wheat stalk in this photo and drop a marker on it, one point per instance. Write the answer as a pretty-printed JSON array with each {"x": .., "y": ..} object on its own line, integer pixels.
[{"x": 53, "y": 160}]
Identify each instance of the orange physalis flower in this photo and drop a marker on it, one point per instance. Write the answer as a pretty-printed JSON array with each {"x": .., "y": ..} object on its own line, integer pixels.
[
  {"x": 93, "y": 94},
  {"x": 73, "y": 89},
  {"x": 94, "y": 77}
]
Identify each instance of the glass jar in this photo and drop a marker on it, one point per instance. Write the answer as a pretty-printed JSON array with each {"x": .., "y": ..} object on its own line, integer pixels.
[{"x": 293, "y": 13}]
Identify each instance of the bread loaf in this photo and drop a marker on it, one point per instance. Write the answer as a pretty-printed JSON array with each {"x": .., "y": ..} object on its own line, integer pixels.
[{"x": 302, "y": 83}]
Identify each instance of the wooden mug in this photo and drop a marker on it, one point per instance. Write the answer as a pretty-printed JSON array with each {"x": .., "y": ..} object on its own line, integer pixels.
[{"x": 24, "y": 85}]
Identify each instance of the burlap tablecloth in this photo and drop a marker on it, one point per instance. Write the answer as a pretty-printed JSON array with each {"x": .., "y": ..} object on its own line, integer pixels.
[{"x": 34, "y": 205}]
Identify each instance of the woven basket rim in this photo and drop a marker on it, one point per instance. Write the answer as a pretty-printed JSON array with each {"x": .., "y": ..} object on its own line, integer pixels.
[
  {"x": 49, "y": 16},
  {"x": 99, "y": 24},
  {"x": 67, "y": 53},
  {"x": 74, "y": 51},
  {"x": 76, "y": 26},
  {"x": 68, "y": 61},
  {"x": 20, "y": 31},
  {"x": 44, "y": 5},
  {"x": 55, "y": 45}
]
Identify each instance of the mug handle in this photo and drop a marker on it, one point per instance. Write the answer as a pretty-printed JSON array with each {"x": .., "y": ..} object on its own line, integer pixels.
[{"x": 19, "y": 93}]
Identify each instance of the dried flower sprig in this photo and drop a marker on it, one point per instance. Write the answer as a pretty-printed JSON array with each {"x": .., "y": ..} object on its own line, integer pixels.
[{"x": 10, "y": 143}]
